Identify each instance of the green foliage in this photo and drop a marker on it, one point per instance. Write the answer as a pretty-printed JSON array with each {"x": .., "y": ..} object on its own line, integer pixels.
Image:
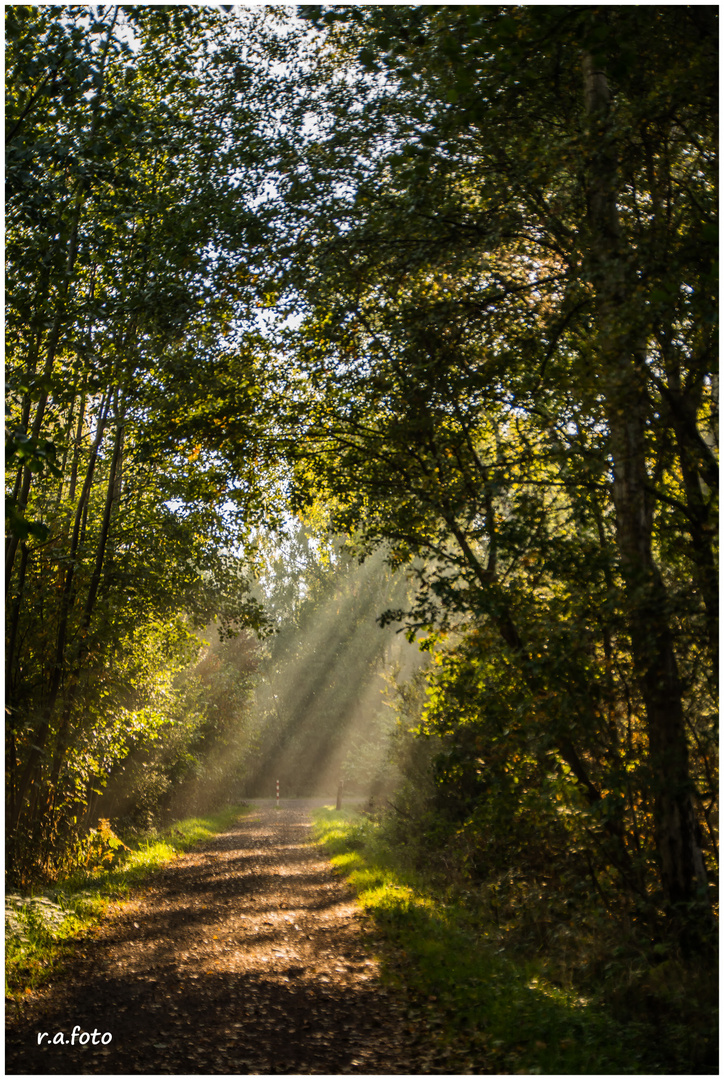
[
  {"x": 123, "y": 211},
  {"x": 505, "y": 347},
  {"x": 203, "y": 765},
  {"x": 320, "y": 693},
  {"x": 133, "y": 707},
  {"x": 439, "y": 280},
  {"x": 478, "y": 1003},
  {"x": 41, "y": 929},
  {"x": 101, "y": 845}
]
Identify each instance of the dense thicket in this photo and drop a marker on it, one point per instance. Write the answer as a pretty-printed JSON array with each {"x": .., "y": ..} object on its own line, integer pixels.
[
  {"x": 123, "y": 215},
  {"x": 503, "y": 241},
  {"x": 308, "y": 707},
  {"x": 444, "y": 279}
]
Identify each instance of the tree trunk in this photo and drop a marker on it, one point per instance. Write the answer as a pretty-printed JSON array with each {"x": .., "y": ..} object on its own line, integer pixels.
[
  {"x": 61, "y": 303},
  {"x": 59, "y": 664},
  {"x": 620, "y": 359}
]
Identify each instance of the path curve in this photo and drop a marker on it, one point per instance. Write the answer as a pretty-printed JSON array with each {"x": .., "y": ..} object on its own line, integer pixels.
[{"x": 246, "y": 955}]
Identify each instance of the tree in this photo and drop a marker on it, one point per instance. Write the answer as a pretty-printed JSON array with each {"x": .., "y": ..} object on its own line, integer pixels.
[
  {"x": 321, "y": 676},
  {"x": 123, "y": 215},
  {"x": 502, "y": 257}
]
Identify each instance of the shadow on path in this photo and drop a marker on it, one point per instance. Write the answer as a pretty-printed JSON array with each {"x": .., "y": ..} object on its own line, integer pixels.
[{"x": 245, "y": 956}]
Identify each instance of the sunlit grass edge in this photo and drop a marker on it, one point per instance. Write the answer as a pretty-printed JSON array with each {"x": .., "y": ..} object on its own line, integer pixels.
[
  {"x": 40, "y": 929},
  {"x": 483, "y": 1010}
]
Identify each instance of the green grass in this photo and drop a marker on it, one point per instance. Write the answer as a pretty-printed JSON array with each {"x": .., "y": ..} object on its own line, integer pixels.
[
  {"x": 476, "y": 1006},
  {"x": 41, "y": 929}
]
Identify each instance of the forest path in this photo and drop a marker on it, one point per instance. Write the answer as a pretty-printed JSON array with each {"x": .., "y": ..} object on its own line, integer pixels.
[{"x": 245, "y": 955}]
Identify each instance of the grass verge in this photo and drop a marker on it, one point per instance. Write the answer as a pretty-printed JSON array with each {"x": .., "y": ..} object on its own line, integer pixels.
[
  {"x": 473, "y": 1006},
  {"x": 40, "y": 929}
]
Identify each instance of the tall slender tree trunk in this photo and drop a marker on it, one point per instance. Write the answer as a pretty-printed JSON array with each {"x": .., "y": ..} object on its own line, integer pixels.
[
  {"x": 37, "y": 750},
  {"x": 620, "y": 357},
  {"x": 61, "y": 303}
]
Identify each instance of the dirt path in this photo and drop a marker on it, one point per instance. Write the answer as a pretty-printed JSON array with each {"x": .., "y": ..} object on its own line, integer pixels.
[{"x": 244, "y": 956}]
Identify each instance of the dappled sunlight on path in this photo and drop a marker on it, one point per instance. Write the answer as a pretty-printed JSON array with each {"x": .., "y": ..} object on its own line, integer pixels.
[{"x": 244, "y": 956}]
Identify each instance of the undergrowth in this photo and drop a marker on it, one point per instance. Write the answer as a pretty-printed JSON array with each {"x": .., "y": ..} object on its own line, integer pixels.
[
  {"x": 40, "y": 928},
  {"x": 475, "y": 1003}
]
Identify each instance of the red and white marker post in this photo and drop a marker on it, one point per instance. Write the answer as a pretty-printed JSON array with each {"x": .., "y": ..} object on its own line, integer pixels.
[{"x": 277, "y": 794}]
